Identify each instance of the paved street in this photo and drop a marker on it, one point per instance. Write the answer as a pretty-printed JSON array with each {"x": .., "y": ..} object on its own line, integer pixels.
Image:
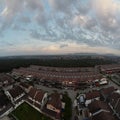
[{"x": 71, "y": 93}]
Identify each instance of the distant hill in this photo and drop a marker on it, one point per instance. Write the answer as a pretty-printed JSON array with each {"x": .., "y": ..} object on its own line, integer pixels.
[{"x": 58, "y": 56}]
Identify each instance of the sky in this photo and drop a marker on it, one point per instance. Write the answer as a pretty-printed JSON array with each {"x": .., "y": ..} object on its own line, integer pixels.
[{"x": 41, "y": 27}]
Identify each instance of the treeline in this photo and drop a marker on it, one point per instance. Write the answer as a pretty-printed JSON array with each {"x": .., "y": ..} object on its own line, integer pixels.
[{"x": 7, "y": 65}]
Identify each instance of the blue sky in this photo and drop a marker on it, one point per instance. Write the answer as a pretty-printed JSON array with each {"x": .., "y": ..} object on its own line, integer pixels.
[{"x": 30, "y": 27}]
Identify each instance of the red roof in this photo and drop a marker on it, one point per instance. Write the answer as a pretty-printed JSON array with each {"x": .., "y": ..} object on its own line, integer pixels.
[
  {"x": 16, "y": 91},
  {"x": 92, "y": 95},
  {"x": 25, "y": 85},
  {"x": 39, "y": 95},
  {"x": 36, "y": 94},
  {"x": 107, "y": 91},
  {"x": 103, "y": 116},
  {"x": 114, "y": 98},
  {"x": 55, "y": 100},
  {"x": 32, "y": 92},
  {"x": 97, "y": 105},
  {"x": 61, "y": 74}
]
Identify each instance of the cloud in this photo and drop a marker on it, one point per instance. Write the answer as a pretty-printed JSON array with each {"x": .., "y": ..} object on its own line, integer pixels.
[
  {"x": 63, "y": 45},
  {"x": 41, "y": 19},
  {"x": 11, "y": 8},
  {"x": 34, "y": 4},
  {"x": 61, "y": 5},
  {"x": 84, "y": 21},
  {"x": 14, "y": 8},
  {"x": 25, "y": 19},
  {"x": 35, "y": 34},
  {"x": 106, "y": 12},
  {"x": 95, "y": 23}
]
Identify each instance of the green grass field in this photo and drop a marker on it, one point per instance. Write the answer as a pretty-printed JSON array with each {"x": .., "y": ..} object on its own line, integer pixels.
[{"x": 26, "y": 112}]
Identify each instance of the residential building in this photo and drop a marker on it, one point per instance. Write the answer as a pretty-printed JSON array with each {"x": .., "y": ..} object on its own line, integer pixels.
[
  {"x": 37, "y": 97},
  {"x": 91, "y": 96},
  {"x": 15, "y": 94},
  {"x": 114, "y": 102},
  {"x": 106, "y": 92}
]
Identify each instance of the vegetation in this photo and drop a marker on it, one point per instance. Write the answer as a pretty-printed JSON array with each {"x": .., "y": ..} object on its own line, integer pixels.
[
  {"x": 8, "y": 64},
  {"x": 26, "y": 112},
  {"x": 68, "y": 107}
]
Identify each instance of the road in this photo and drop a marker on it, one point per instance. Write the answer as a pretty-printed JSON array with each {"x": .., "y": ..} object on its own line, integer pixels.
[{"x": 72, "y": 93}]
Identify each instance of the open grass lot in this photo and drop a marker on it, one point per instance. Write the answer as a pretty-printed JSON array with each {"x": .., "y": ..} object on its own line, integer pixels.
[{"x": 26, "y": 112}]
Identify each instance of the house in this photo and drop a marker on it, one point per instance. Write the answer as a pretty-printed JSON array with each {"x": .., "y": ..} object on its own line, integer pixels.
[
  {"x": 97, "y": 106},
  {"x": 90, "y": 96},
  {"x": 5, "y": 105},
  {"x": 103, "y": 116},
  {"x": 15, "y": 94},
  {"x": 108, "y": 69},
  {"x": 37, "y": 97},
  {"x": 106, "y": 92},
  {"x": 61, "y": 77},
  {"x": 26, "y": 87},
  {"x": 54, "y": 105},
  {"x": 4, "y": 102},
  {"x": 114, "y": 102},
  {"x": 5, "y": 80}
]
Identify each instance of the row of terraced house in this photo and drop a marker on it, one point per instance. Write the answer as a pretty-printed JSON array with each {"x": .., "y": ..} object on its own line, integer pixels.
[
  {"x": 66, "y": 77},
  {"x": 70, "y": 77}
]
